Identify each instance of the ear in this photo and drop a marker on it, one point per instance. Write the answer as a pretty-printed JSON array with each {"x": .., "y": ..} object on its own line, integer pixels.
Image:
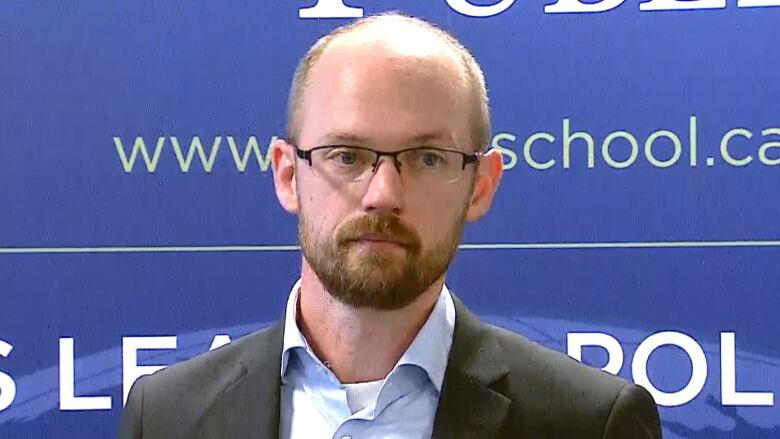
[
  {"x": 489, "y": 170},
  {"x": 283, "y": 165}
]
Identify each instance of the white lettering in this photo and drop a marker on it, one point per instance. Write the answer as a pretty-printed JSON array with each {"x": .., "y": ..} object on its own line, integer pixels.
[
  {"x": 674, "y": 5},
  {"x": 505, "y": 152},
  {"x": 131, "y": 371},
  {"x": 728, "y": 378},
  {"x": 724, "y": 147},
  {"x": 139, "y": 146},
  {"x": 693, "y": 131},
  {"x": 762, "y": 156},
  {"x": 568, "y": 137},
  {"x": 219, "y": 341},
  {"x": 195, "y": 145},
  {"x": 757, "y": 3},
  {"x": 7, "y": 384},
  {"x": 527, "y": 151},
  {"x": 575, "y": 341},
  {"x": 576, "y": 6},
  {"x": 68, "y": 398},
  {"x": 330, "y": 9},
  {"x": 632, "y": 156},
  {"x": 649, "y": 149},
  {"x": 338, "y": 9},
  {"x": 466, "y": 8},
  {"x": 251, "y": 148},
  {"x": 694, "y": 352}
]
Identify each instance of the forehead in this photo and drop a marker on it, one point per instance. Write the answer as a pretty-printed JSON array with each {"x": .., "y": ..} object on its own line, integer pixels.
[{"x": 389, "y": 92}]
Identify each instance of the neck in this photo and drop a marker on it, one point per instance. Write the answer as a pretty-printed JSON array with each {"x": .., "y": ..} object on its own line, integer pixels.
[{"x": 359, "y": 345}]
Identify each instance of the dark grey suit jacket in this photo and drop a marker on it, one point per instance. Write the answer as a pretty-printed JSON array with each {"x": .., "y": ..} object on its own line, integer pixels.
[{"x": 497, "y": 385}]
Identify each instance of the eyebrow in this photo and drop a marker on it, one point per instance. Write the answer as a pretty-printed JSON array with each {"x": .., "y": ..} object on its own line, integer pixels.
[
  {"x": 337, "y": 138},
  {"x": 343, "y": 139}
]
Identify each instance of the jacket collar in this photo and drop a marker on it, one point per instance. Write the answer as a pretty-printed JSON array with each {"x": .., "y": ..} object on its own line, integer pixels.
[
  {"x": 469, "y": 405},
  {"x": 248, "y": 408}
]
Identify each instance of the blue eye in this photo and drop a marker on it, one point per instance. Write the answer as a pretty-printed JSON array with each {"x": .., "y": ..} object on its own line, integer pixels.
[
  {"x": 343, "y": 156},
  {"x": 430, "y": 159},
  {"x": 347, "y": 158}
]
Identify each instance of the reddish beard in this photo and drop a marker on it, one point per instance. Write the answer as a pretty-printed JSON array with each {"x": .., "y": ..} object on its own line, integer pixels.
[{"x": 383, "y": 280}]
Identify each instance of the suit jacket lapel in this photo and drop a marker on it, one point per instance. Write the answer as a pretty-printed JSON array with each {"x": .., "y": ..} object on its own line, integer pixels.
[
  {"x": 468, "y": 406},
  {"x": 249, "y": 407}
]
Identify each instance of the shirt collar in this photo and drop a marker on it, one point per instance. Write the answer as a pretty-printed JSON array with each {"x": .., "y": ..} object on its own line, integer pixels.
[
  {"x": 293, "y": 337},
  {"x": 429, "y": 350}
]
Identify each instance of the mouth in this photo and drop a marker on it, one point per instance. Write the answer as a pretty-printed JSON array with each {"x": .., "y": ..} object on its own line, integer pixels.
[{"x": 379, "y": 240}]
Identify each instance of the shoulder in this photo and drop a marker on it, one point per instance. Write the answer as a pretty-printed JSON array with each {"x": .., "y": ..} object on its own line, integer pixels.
[
  {"x": 183, "y": 391},
  {"x": 554, "y": 370},
  {"x": 553, "y": 392},
  {"x": 212, "y": 371}
]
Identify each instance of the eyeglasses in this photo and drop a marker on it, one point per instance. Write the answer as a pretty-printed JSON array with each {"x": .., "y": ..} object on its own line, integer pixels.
[{"x": 355, "y": 163}]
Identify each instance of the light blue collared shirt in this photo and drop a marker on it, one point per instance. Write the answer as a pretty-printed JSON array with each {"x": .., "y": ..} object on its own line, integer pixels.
[{"x": 314, "y": 403}]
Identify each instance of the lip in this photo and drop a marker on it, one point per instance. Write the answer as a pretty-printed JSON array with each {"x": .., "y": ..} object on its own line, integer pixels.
[{"x": 379, "y": 239}]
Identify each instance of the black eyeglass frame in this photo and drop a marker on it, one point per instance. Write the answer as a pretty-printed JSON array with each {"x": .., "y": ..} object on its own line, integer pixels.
[{"x": 306, "y": 154}]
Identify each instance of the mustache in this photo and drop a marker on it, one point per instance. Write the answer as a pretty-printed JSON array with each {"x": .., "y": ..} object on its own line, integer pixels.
[{"x": 387, "y": 227}]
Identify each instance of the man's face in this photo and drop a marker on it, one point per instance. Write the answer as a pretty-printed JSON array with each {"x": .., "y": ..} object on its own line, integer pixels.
[{"x": 382, "y": 241}]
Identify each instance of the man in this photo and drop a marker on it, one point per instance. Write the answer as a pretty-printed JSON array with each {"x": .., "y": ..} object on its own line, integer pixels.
[{"x": 384, "y": 163}]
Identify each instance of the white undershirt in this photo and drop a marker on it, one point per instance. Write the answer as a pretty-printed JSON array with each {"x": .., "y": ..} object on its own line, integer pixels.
[{"x": 360, "y": 395}]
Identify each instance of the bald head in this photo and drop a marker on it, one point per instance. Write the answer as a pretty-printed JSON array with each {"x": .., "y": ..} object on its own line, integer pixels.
[{"x": 413, "y": 48}]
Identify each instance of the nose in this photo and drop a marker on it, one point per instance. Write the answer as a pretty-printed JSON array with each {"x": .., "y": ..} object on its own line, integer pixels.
[{"x": 384, "y": 191}]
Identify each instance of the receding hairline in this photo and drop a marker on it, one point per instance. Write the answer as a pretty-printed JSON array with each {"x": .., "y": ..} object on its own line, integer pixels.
[{"x": 474, "y": 78}]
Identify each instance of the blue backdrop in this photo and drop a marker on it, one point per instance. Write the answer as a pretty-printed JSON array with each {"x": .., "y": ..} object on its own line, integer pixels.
[{"x": 640, "y": 196}]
